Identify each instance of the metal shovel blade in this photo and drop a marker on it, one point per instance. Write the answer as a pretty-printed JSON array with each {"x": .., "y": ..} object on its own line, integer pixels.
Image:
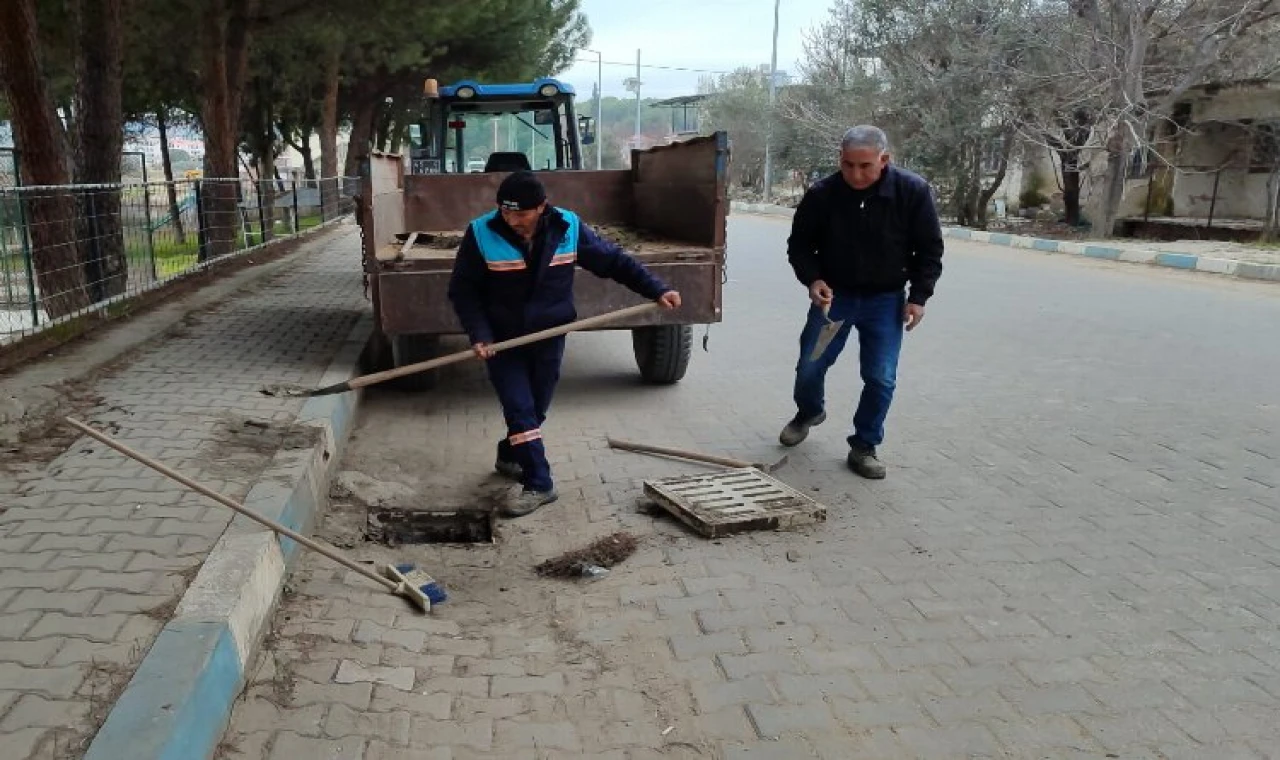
[{"x": 828, "y": 333}]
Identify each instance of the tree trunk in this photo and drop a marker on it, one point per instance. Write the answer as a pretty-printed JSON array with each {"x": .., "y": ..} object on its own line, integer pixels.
[
  {"x": 361, "y": 136},
  {"x": 41, "y": 158},
  {"x": 363, "y": 124},
  {"x": 225, "y": 48},
  {"x": 174, "y": 212},
  {"x": 1077, "y": 128},
  {"x": 1127, "y": 88},
  {"x": 99, "y": 142},
  {"x": 397, "y": 135},
  {"x": 383, "y": 120},
  {"x": 1070, "y": 160},
  {"x": 1006, "y": 149},
  {"x": 329, "y": 130},
  {"x": 964, "y": 195},
  {"x": 267, "y": 196},
  {"x": 261, "y": 127},
  {"x": 1271, "y": 223},
  {"x": 308, "y": 159},
  {"x": 1113, "y": 189}
]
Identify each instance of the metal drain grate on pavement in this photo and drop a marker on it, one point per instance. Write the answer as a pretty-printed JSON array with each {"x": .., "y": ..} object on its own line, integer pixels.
[{"x": 722, "y": 503}]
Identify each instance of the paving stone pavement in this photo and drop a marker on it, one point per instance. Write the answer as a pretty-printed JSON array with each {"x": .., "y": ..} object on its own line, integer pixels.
[
  {"x": 1075, "y": 555},
  {"x": 95, "y": 550}
]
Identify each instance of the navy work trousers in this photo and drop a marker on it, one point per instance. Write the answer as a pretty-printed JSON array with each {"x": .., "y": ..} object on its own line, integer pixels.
[{"x": 525, "y": 379}]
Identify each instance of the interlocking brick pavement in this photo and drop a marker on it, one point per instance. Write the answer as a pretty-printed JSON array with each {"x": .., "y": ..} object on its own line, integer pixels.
[
  {"x": 1076, "y": 553},
  {"x": 95, "y": 549}
]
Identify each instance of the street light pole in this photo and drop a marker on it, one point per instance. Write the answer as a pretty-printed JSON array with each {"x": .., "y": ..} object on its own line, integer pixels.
[
  {"x": 599, "y": 106},
  {"x": 773, "y": 93},
  {"x": 637, "y": 94}
]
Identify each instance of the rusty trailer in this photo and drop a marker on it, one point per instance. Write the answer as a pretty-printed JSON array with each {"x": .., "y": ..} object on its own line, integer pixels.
[{"x": 669, "y": 210}]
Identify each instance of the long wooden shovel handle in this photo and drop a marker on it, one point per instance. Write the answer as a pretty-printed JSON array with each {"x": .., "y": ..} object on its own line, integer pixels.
[
  {"x": 681, "y": 453},
  {"x": 523, "y": 340},
  {"x": 314, "y": 546}
]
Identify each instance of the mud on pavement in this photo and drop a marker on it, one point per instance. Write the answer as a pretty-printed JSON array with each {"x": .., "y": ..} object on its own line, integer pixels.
[{"x": 513, "y": 665}]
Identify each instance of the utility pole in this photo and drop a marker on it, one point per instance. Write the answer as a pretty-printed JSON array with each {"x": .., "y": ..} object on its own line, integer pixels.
[{"x": 773, "y": 94}]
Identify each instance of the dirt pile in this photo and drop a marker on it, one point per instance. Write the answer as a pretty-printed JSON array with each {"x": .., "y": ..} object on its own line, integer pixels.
[{"x": 603, "y": 552}]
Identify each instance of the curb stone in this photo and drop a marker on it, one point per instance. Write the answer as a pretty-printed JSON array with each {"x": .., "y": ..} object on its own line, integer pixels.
[
  {"x": 1244, "y": 270},
  {"x": 177, "y": 704}
]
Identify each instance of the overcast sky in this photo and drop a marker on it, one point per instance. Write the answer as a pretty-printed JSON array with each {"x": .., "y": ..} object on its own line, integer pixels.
[{"x": 717, "y": 35}]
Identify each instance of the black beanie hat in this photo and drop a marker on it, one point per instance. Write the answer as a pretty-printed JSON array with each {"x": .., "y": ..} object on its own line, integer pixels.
[{"x": 521, "y": 191}]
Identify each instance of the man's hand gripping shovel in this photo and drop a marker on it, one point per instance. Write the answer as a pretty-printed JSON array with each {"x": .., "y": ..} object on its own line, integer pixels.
[{"x": 828, "y": 333}]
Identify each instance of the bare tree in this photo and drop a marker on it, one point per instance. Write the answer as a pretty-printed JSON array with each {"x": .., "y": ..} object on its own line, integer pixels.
[
  {"x": 841, "y": 88},
  {"x": 1117, "y": 69},
  {"x": 951, "y": 93},
  {"x": 739, "y": 104}
]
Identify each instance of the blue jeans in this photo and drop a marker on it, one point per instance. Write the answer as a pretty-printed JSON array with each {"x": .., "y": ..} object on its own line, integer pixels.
[{"x": 878, "y": 320}]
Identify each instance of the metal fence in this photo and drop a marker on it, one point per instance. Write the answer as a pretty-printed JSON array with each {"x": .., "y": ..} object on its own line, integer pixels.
[{"x": 68, "y": 250}]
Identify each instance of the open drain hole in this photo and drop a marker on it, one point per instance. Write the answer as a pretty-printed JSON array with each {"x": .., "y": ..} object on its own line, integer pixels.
[{"x": 394, "y": 526}]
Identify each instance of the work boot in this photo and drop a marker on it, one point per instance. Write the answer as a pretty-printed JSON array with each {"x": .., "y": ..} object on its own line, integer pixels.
[
  {"x": 797, "y": 429},
  {"x": 505, "y": 462},
  {"x": 862, "y": 460},
  {"x": 528, "y": 501},
  {"x": 507, "y": 469}
]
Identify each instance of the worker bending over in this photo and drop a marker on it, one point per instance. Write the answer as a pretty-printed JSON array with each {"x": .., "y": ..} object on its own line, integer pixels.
[{"x": 513, "y": 276}]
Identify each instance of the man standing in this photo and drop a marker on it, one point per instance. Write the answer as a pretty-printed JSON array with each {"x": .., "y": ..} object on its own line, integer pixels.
[
  {"x": 513, "y": 275},
  {"x": 858, "y": 239}
]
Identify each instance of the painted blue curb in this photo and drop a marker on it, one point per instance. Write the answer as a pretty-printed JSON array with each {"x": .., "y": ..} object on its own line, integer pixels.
[
  {"x": 1187, "y": 261},
  {"x": 1102, "y": 252},
  {"x": 1177, "y": 260},
  {"x": 178, "y": 703}
]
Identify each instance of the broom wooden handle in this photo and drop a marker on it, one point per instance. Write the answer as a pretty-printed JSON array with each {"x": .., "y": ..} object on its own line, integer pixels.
[
  {"x": 681, "y": 453},
  {"x": 523, "y": 340},
  {"x": 314, "y": 546}
]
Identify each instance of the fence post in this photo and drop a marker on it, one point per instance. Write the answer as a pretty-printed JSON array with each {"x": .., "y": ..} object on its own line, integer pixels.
[
  {"x": 200, "y": 233},
  {"x": 146, "y": 215},
  {"x": 297, "y": 224},
  {"x": 28, "y": 262}
]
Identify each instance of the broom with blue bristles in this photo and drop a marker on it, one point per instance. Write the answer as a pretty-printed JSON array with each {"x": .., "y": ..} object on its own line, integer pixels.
[{"x": 402, "y": 580}]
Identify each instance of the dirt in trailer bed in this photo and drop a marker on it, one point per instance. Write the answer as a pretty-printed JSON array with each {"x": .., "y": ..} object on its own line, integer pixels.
[{"x": 629, "y": 238}]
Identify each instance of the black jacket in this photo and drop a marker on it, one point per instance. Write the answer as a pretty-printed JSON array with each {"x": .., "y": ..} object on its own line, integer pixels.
[
  {"x": 877, "y": 244},
  {"x": 495, "y": 305}
]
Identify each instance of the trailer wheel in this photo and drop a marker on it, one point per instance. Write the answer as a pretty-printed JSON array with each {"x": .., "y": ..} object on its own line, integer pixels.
[
  {"x": 662, "y": 352},
  {"x": 410, "y": 349}
]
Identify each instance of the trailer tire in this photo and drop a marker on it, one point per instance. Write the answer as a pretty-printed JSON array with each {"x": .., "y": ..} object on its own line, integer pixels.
[
  {"x": 662, "y": 352},
  {"x": 410, "y": 349}
]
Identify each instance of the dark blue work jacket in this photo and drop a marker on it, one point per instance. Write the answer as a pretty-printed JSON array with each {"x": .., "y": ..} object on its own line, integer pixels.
[{"x": 500, "y": 289}]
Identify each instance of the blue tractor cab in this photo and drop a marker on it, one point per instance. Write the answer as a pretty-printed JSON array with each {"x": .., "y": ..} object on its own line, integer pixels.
[{"x": 474, "y": 127}]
